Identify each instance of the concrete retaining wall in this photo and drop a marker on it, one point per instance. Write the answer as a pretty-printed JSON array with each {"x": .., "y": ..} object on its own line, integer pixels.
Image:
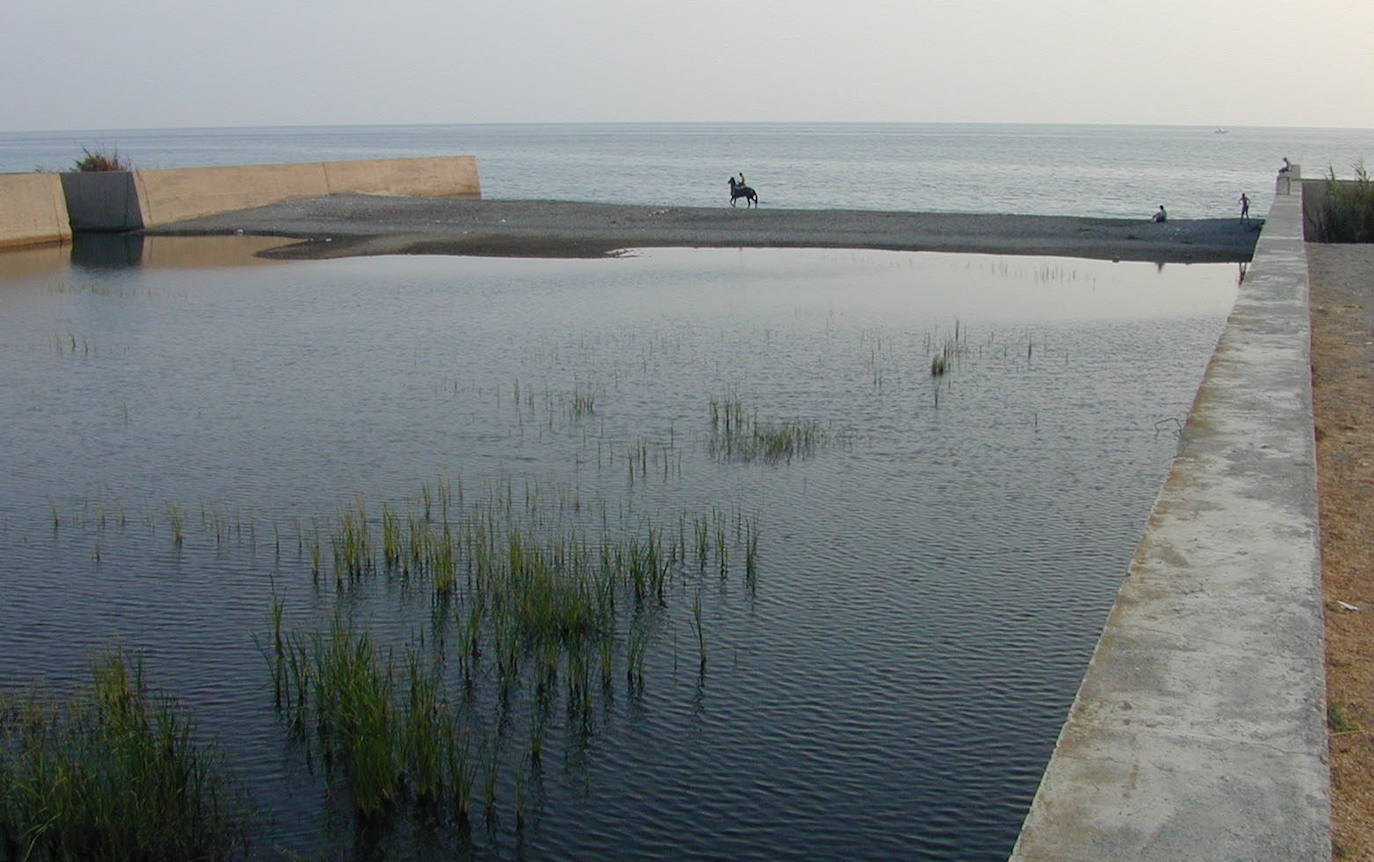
[
  {"x": 102, "y": 200},
  {"x": 33, "y": 210},
  {"x": 119, "y": 201},
  {"x": 449, "y": 177},
  {"x": 1199, "y": 730},
  {"x": 177, "y": 194}
]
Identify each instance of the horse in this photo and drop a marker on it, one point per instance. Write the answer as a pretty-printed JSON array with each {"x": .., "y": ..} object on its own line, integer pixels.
[{"x": 740, "y": 190}]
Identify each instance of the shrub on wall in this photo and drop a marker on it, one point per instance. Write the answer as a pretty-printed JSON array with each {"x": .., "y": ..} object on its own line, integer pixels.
[{"x": 100, "y": 161}]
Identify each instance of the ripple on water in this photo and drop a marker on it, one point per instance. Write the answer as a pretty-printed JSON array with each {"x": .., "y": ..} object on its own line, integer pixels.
[{"x": 931, "y": 582}]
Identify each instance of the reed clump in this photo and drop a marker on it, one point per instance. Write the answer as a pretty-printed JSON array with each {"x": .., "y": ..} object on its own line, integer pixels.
[
  {"x": 382, "y": 729},
  {"x": 533, "y": 596},
  {"x": 1345, "y": 213},
  {"x": 114, "y": 773},
  {"x": 737, "y": 434}
]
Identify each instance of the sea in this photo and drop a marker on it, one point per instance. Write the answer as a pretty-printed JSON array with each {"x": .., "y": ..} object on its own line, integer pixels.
[{"x": 1074, "y": 170}]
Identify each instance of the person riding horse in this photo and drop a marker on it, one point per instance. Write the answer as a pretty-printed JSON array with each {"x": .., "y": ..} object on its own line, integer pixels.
[{"x": 739, "y": 190}]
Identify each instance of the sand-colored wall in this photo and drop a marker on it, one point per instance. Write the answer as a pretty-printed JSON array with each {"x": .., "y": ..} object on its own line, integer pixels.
[
  {"x": 33, "y": 210},
  {"x": 439, "y": 177},
  {"x": 118, "y": 201},
  {"x": 176, "y": 194}
]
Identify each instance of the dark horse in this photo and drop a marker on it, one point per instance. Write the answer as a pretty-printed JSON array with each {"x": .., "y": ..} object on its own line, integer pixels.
[{"x": 740, "y": 190}]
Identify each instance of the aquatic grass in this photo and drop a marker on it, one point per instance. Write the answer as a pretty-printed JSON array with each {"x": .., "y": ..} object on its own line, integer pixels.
[
  {"x": 352, "y": 544},
  {"x": 355, "y": 718},
  {"x": 1345, "y": 211},
  {"x": 751, "y": 553},
  {"x": 114, "y": 773},
  {"x": 391, "y": 538},
  {"x": 699, "y": 630},
  {"x": 738, "y": 434},
  {"x": 532, "y": 600},
  {"x": 176, "y": 519},
  {"x": 581, "y": 402}
]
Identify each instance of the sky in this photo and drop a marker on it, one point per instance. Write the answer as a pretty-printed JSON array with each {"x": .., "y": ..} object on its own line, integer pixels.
[{"x": 108, "y": 64}]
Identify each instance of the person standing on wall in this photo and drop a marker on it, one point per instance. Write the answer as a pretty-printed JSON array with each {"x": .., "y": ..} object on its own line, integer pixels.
[{"x": 1244, "y": 208}]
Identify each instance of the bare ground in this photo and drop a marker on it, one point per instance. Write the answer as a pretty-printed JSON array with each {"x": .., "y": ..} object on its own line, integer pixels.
[
  {"x": 350, "y": 225},
  {"x": 1342, "y": 305}
]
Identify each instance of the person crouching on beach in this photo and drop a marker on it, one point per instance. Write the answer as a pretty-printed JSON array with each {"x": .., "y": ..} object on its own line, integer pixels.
[{"x": 1161, "y": 215}]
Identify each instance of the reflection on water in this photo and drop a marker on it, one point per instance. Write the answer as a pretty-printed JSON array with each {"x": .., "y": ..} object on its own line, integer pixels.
[
  {"x": 94, "y": 252},
  {"x": 21, "y": 263},
  {"x": 180, "y": 444}
]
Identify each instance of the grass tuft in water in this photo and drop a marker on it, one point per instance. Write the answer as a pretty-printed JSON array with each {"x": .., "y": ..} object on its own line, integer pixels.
[
  {"x": 114, "y": 773},
  {"x": 176, "y": 519},
  {"x": 737, "y": 434}
]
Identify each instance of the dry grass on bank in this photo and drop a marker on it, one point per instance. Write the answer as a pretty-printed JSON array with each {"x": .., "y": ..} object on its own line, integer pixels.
[{"x": 1342, "y": 304}]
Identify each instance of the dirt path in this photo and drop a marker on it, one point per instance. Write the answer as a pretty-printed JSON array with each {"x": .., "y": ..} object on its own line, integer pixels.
[{"x": 1342, "y": 304}]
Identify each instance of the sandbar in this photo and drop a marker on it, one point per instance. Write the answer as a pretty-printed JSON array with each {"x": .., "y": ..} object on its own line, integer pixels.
[{"x": 353, "y": 225}]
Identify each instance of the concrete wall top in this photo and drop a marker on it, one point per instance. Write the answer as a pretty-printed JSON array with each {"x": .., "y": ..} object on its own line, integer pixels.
[
  {"x": 33, "y": 210},
  {"x": 1199, "y": 730}
]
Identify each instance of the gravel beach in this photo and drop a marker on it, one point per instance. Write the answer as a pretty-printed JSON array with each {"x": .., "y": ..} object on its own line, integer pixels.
[{"x": 351, "y": 225}]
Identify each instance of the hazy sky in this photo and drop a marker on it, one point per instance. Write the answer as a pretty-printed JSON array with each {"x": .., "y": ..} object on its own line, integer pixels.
[{"x": 93, "y": 64}]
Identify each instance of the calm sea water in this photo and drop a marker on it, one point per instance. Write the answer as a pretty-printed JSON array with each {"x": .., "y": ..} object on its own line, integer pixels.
[
  {"x": 1120, "y": 171},
  {"x": 931, "y": 579}
]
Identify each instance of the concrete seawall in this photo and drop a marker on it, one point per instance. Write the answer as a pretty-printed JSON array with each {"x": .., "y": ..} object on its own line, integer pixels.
[
  {"x": 33, "y": 210},
  {"x": 131, "y": 200},
  {"x": 1199, "y": 732}
]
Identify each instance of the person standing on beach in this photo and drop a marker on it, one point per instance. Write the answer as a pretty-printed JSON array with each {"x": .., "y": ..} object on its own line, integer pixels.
[{"x": 1244, "y": 208}]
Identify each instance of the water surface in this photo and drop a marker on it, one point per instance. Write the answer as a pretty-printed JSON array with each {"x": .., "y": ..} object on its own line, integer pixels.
[{"x": 931, "y": 579}]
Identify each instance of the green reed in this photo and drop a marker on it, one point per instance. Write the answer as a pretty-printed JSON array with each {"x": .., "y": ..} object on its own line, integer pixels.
[
  {"x": 531, "y": 598},
  {"x": 751, "y": 552},
  {"x": 352, "y": 545},
  {"x": 581, "y": 402},
  {"x": 738, "y": 434},
  {"x": 1345, "y": 212},
  {"x": 113, "y": 773},
  {"x": 699, "y": 630},
  {"x": 176, "y": 519},
  {"x": 391, "y": 538}
]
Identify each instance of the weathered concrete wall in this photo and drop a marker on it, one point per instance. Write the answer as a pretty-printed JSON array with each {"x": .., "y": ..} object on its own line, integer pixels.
[
  {"x": 118, "y": 201},
  {"x": 1199, "y": 731},
  {"x": 1314, "y": 197},
  {"x": 33, "y": 210}
]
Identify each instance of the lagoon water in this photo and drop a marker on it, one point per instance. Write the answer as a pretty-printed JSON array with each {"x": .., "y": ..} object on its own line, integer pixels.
[{"x": 931, "y": 578}]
